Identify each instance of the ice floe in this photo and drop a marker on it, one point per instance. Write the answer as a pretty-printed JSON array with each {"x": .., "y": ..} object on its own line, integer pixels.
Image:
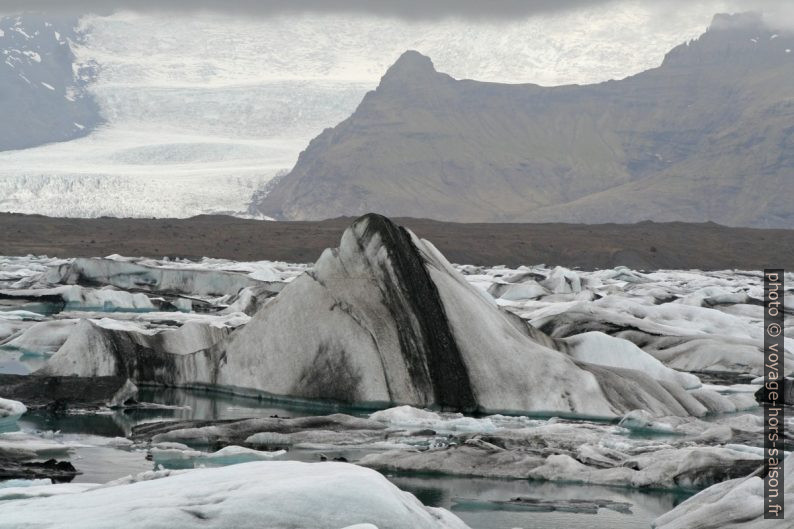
[
  {"x": 165, "y": 278},
  {"x": 10, "y": 411},
  {"x": 737, "y": 503},
  {"x": 177, "y": 455},
  {"x": 599, "y": 348},
  {"x": 359, "y": 327},
  {"x": 385, "y": 319},
  {"x": 249, "y": 495},
  {"x": 577, "y": 451},
  {"x": 682, "y": 452}
]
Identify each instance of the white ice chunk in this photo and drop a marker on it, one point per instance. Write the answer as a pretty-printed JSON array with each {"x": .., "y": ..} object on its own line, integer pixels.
[
  {"x": 249, "y": 495},
  {"x": 737, "y": 503},
  {"x": 408, "y": 416},
  {"x": 10, "y": 411},
  {"x": 41, "y": 490},
  {"x": 177, "y": 455},
  {"x": 602, "y": 349}
]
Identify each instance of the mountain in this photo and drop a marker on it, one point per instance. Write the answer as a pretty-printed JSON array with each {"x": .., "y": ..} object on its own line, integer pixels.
[
  {"x": 202, "y": 111},
  {"x": 42, "y": 90},
  {"x": 706, "y": 136}
]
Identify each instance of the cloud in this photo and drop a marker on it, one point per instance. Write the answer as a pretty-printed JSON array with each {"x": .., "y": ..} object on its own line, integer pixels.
[
  {"x": 406, "y": 9},
  {"x": 778, "y": 13}
]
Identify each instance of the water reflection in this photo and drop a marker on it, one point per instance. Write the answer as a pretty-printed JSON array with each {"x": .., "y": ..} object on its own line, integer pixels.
[
  {"x": 475, "y": 500},
  {"x": 158, "y": 404},
  {"x": 213, "y": 405}
]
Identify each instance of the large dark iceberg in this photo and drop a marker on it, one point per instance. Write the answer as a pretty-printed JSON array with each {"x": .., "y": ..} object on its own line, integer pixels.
[{"x": 383, "y": 320}]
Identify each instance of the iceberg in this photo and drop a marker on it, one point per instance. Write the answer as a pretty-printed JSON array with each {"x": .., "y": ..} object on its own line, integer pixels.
[
  {"x": 110, "y": 348},
  {"x": 599, "y": 348},
  {"x": 382, "y": 320},
  {"x": 75, "y": 297},
  {"x": 737, "y": 503},
  {"x": 21, "y": 489},
  {"x": 176, "y": 455},
  {"x": 267, "y": 432},
  {"x": 10, "y": 411},
  {"x": 688, "y": 468},
  {"x": 128, "y": 275},
  {"x": 245, "y": 496},
  {"x": 42, "y": 338}
]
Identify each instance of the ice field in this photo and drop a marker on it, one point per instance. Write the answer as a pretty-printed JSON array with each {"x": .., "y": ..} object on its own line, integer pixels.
[{"x": 692, "y": 330}]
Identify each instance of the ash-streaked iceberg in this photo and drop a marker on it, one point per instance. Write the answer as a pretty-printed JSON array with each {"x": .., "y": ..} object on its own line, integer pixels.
[
  {"x": 384, "y": 319},
  {"x": 108, "y": 348},
  {"x": 126, "y": 274}
]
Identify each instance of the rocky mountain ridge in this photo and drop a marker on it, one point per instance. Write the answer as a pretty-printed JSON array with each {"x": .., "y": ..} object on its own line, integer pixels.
[{"x": 706, "y": 136}]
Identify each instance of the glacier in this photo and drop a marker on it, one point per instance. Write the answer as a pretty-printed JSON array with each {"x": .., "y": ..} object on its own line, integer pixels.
[{"x": 198, "y": 115}]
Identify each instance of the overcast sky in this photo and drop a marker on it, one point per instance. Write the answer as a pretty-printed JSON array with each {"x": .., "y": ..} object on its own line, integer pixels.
[
  {"x": 408, "y": 9},
  {"x": 411, "y": 9}
]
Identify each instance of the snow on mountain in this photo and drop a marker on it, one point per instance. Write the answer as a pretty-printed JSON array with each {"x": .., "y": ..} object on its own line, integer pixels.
[
  {"x": 42, "y": 96},
  {"x": 202, "y": 111}
]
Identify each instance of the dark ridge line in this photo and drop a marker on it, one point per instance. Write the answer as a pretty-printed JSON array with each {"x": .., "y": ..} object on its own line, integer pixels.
[{"x": 705, "y": 246}]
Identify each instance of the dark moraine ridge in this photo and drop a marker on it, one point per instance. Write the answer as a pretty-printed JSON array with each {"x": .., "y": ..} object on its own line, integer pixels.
[{"x": 645, "y": 245}]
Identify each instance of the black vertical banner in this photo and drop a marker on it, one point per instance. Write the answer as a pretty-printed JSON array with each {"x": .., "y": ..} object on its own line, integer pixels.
[{"x": 775, "y": 390}]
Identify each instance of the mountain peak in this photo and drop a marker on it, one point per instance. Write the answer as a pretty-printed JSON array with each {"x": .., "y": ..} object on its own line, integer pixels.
[
  {"x": 739, "y": 40},
  {"x": 410, "y": 67},
  {"x": 412, "y": 62},
  {"x": 741, "y": 21}
]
